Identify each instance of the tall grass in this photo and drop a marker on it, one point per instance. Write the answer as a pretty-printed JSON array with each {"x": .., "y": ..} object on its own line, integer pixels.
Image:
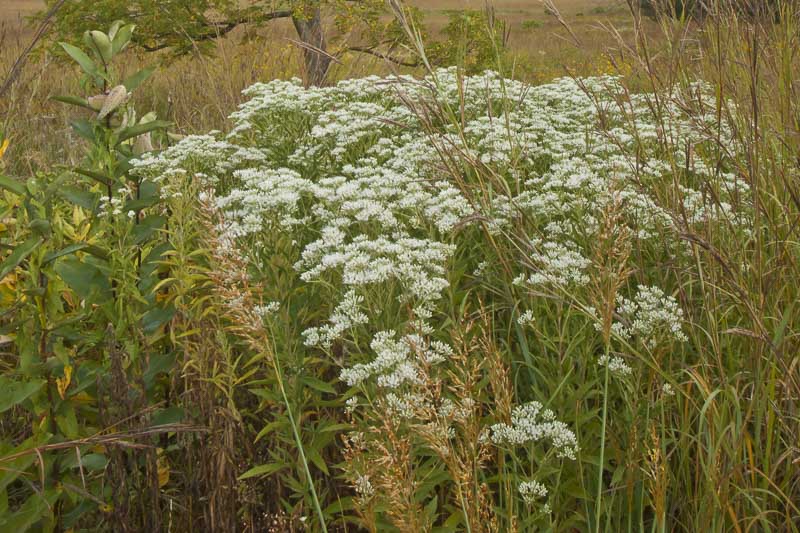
[
  {"x": 619, "y": 354},
  {"x": 723, "y": 454}
]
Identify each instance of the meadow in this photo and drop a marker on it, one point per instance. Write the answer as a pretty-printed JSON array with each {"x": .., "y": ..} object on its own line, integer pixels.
[{"x": 550, "y": 287}]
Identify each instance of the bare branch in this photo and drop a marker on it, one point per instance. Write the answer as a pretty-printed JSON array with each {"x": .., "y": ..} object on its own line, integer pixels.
[
  {"x": 220, "y": 29},
  {"x": 376, "y": 53}
]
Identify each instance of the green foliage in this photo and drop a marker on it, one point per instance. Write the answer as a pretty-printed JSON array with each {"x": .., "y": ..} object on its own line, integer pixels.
[
  {"x": 85, "y": 324},
  {"x": 472, "y": 39},
  {"x": 186, "y": 26}
]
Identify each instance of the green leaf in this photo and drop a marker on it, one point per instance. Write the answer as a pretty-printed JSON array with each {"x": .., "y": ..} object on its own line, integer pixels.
[
  {"x": 431, "y": 507},
  {"x": 68, "y": 422},
  {"x": 81, "y": 58},
  {"x": 72, "y": 100},
  {"x": 11, "y": 469},
  {"x": 14, "y": 392},
  {"x": 102, "y": 44},
  {"x": 141, "y": 129},
  {"x": 147, "y": 226},
  {"x": 19, "y": 254},
  {"x": 156, "y": 317},
  {"x": 170, "y": 415},
  {"x": 267, "y": 469},
  {"x": 12, "y": 185},
  {"x": 83, "y": 278},
  {"x": 79, "y": 197},
  {"x": 84, "y": 128},
  {"x": 269, "y": 428},
  {"x": 94, "y": 461},
  {"x": 30, "y": 513},
  {"x": 72, "y": 248},
  {"x": 317, "y": 459},
  {"x": 40, "y": 226},
  {"x": 98, "y": 177},
  {"x": 318, "y": 384},
  {"x": 159, "y": 363},
  {"x": 134, "y": 80},
  {"x": 121, "y": 39}
]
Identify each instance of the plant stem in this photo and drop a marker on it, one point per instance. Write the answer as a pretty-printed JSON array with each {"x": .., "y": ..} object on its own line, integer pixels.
[
  {"x": 599, "y": 499},
  {"x": 296, "y": 432}
]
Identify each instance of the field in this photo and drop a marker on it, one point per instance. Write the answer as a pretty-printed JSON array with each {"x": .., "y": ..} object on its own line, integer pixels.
[
  {"x": 525, "y": 268},
  {"x": 542, "y": 51}
]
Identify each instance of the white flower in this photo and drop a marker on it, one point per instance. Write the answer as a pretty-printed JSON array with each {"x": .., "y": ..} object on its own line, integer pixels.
[
  {"x": 616, "y": 365},
  {"x": 526, "y": 318},
  {"x": 651, "y": 316},
  {"x": 364, "y": 487},
  {"x": 532, "y": 491},
  {"x": 351, "y": 404},
  {"x": 266, "y": 310},
  {"x": 530, "y": 422}
]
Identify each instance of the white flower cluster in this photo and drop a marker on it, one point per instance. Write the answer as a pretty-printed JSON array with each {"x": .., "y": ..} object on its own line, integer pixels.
[
  {"x": 532, "y": 491},
  {"x": 526, "y": 318},
  {"x": 267, "y": 309},
  {"x": 397, "y": 361},
  {"x": 616, "y": 365},
  {"x": 530, "y": 422},
  {"x": 346, "y": 315},
  {"x": 651, "y": 316},
  {"x": 364, "y": 487},
  {"x": 350, "y": 177},
  {"x": 558, "y": 264}
]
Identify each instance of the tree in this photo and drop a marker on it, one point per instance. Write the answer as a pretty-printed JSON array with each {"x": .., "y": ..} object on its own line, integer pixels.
[
  {"x": 191, "y": 25},
  {"x": 754, "y": 9}
]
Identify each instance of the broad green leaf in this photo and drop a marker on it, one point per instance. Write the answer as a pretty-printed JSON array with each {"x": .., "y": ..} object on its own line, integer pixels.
[
  {"x": 72, "y": 248},
  {"x": 147, "y": 226},
  {"x": 102, "y": 44},
  {"x": 79, "y": 197},
  {"x": 156, "y": 317},
  {"x": 318, "y": 384},
  {"x": 97, "y": 176},
  {"x": 158, "y": 363},
  {"x": 11, "y": 469},
  {"x": 72, "y": 100},
  {"x": 94, "y": 461},
  {"x": 13, "y": 392},
  {"x": 170, "y": 415},
  {"x": 121, "y": 39},
  {"x": 84, "y": 128},
  {"x": 12, "y": 185},
  {"x": 81, "y": 58},
  {"x": 68, "y": 422},
  {"x": 36, "y": 507},
  {"x": 141, "y": 129},
  {"x": 135, "y": 80},
  {"x": 19, "y": 254},
  {"x": 83, "y": 278}
]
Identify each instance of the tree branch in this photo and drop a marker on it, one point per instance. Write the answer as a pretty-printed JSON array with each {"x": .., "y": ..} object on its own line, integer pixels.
[
  {"x": 371, "y": 51},
  {"x": 220, "y": 29}
]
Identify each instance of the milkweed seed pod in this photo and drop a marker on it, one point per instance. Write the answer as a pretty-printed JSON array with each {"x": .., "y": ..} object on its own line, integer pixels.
[
  {"x": 116, "y": 97},
  {"x": 143, "y": 144},
  {"x": 128, "y": 118}
]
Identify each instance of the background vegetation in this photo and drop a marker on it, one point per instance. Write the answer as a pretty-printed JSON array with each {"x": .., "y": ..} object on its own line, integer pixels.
[{"x": 141, "y": 390}]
